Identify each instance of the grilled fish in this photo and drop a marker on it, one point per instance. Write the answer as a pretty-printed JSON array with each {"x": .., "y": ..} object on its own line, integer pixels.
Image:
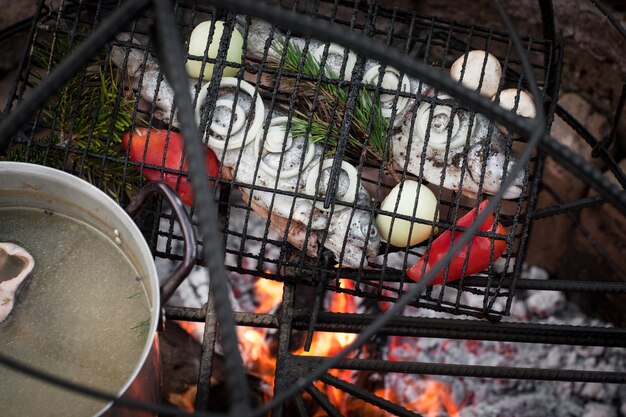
[
  {"x": 146, "y": 77},
  {"x": 349, "y": 233},
  {"x": 271, "y": 165}
]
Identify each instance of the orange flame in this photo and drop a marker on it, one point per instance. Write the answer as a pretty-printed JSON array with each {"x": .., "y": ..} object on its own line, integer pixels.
[
  {"x": 260, "y": 361},
  {"x": 195, "y": 329},
  {"x": 268, "y": 294},
  {"x": 436, "y": 397},
  {"x": 256, "y": 354},
  {"x": 329, "y": 344}
]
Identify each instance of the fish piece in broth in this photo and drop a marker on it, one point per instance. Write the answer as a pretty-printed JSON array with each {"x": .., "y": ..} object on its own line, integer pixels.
[{"x": 16, "y": 264}]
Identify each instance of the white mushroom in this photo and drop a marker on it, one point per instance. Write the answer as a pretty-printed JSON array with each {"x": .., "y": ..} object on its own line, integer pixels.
[
  {"x": 391, "y": 81},
  {"x": 525, "y": 105},
  {"x": 335, "y": 58},
  {"x": 347, "y": 185},
  {"x": 277, "y": 144},
  {"x": 469, "y": 69},
  {"x": 15, "y": 266},
  {"x": 520, "y": 100},
  {"x": 442, "y": 124},
  {"x": 230, "y": 127}
]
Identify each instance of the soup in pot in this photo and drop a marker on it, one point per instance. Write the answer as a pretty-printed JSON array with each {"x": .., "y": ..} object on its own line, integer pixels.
[{"x": 83, "y": 314}]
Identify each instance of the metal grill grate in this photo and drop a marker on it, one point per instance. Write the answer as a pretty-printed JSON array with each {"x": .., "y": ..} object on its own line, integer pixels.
[{"x": 436, "y": 41}]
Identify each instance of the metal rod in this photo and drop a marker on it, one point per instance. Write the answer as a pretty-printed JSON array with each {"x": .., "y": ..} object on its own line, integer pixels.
[
  {"x": 593, "y": 142},
  {"x": 476, "y": 371},
  {"x": 610, "y": 138},
  {"x": 282, "y": 377},
  {"x": 471, "y": 329},
  {"x": 443, "y": 328},
  {"x": 612, "y": 19},
  {"x": 370, "y": 397},
  {"x": 206, "y": 357},
  {"x": 568, "y": 207},
  {"x": 172, "y": 60},
  {"x": 317, "y": 306},
  {"x": 323, "y": 401}
]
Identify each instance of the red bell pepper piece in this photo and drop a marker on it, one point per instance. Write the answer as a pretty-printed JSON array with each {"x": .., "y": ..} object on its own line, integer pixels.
[
  {"x": 152, "y": 143},
  {"x": 478, "y": 257}
]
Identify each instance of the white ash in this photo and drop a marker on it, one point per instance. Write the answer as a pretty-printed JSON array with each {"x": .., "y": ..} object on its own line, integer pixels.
[
  {"x": 194, "y": 290},
  {"x": 475, "y": 396},
  {"x": 519, "y": 398}
]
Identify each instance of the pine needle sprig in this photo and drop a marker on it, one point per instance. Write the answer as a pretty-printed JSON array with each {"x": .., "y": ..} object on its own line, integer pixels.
[
  {"x": 85, "y": 122},
  {"x": 368, "y": 129}
]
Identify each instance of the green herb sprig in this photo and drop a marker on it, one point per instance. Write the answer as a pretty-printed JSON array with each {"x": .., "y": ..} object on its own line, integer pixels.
[
  {"x": 141, "y": 328},
  {"x": 84, "y": 122},
  {"x": 368, "y": 132}
]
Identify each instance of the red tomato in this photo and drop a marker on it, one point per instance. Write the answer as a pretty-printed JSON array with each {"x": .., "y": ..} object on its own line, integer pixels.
[
  {"x": 477, "y": 259},
  {"x": 149, "y": 146}
]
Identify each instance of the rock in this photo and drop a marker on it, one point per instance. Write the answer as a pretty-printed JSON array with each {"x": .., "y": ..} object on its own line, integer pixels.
[
  {"x": 11, "y": 48},
  {"x": 605, "y": 226},
  {"x": 549, "y": 236}
]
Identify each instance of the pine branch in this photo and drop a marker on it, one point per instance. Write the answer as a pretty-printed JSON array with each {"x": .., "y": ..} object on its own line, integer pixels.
[
  {"x": 87, "y": 117},
  {"x": 369, "y": 127}
]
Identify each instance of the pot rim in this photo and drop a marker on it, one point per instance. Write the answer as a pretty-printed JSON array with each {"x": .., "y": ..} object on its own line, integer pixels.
[{"x": 83, "y": 187}]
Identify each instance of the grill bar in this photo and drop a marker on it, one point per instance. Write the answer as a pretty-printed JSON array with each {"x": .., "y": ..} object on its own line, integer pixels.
[
  {"x": 474, "y": 371},
  {"x": 323, "y": 401},
  {"x": 362, "y": 394},
  {"x": 437, "y": 328}
]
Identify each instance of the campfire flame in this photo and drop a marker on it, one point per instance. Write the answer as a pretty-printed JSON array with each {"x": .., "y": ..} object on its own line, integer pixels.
[
  {"x": 255, "y": 351},
  {"x": 429, "y": 397}
]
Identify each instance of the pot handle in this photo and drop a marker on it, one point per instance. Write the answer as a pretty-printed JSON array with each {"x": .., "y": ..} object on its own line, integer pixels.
[{"x": 189, "y": 238}]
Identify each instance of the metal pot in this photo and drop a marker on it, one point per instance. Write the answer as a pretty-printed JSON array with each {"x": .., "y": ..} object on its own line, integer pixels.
[{"x": 35, "y": 186}]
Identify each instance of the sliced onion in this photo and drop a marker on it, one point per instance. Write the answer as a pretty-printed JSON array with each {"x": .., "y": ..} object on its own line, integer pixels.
[
  {"x": 273, "y": 143},
  {"x": 391, "y": 81},
  {"x": 239, "y": 137},
  {"x": 438, "y": 127},
  {"x": 338, "y": 51},
  {"x": 349, "y": 196}
]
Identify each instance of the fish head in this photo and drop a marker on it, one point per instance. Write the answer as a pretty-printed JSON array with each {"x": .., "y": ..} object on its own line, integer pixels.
[{"x": 353, "y": 237}]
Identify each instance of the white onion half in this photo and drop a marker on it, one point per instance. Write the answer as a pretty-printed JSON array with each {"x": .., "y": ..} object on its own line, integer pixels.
[
  {"x": 348, "y": 197},
  {"x": 338, "y": 51},
  {"x": 391, "y": 81},
  {"x": 239, "y": 137},
  {"x": 438, "y": 127},
  {"x": 273, "y": 143},
  {"x": 398, "y": 233}
]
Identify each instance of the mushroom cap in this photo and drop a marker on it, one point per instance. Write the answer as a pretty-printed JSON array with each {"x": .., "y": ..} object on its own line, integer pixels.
[
  {"x": 473, "y": 69},
  {"x": 525, "y": 105}
]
